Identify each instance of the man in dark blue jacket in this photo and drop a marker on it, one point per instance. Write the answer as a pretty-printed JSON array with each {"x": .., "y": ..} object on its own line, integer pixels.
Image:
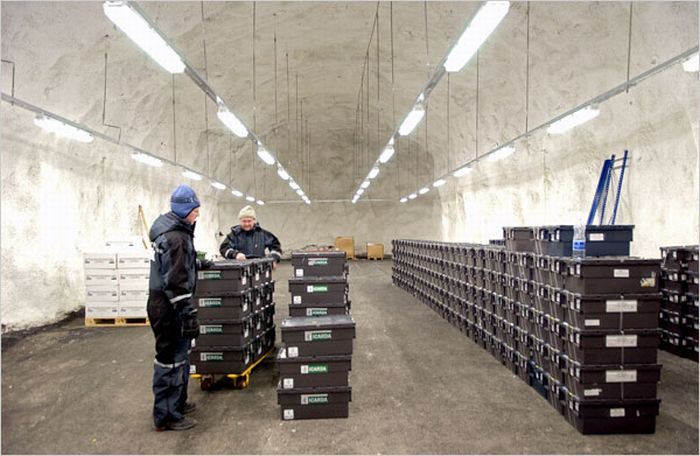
[
  {"x": 171, "y": 310},
  {"x": 249, "y": 240}
]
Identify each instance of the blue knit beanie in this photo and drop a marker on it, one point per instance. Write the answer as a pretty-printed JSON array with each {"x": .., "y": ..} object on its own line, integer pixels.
[{"x": 183, "y": 201}]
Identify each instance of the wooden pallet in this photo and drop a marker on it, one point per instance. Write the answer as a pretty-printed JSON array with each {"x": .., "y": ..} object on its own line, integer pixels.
[
  {"x": 118, "y": 321},
  {"x": 375, "y": 258}
]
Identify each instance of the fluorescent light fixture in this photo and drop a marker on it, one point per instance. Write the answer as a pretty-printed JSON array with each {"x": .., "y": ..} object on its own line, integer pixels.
[
  {"x": 692, "y": 65},
  {"x": 61, "y": 129},
  {"x": 463, "y": 171},
  {"x": 261, "y": 203},
  {"x": 147, "y": 159},
  {"x": 360, "y": 191},
  {"x": 236, "y": 193},
  {"x": 218, "y": 185},
  {"x": 146, "y": 37},
  {"x": 365, "y": 184},
  {"x": 294, "y": 185},
  {"x": 482, "y": 25},
  {"x": 573, "y": 120},
  {"x": 231, "y": 121},
  {"x": 354, "y": 199},
  {"x": 250, "y": 198},
  {"x": 307, "y": 201},
  {"x": 300, "y": 192},
  {"x": 374, "y": 172},
  {"x": 403, "y": 200},
  {"x": 387, "y": 153},
  {"x": 265, "y": 156},
  {"x": 439, "y": 183},
  {"x": 191, "y": 175},
  {"x": 412, "y": 119},
  {"x": 423, "y": 191},
  {"x": 501, "y": 153},
  {"x": 412, "y": 196},
  {"x": 284, "y": 175},
  {"x": 391, "y": 141}
]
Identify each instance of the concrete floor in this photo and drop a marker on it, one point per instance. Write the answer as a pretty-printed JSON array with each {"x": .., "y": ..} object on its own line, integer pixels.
[{"x": 419, "y": 386}]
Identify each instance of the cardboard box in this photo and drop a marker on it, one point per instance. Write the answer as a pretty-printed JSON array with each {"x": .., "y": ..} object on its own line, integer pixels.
[
  {"x": 99, "y": 261},
  {"x": 375, "y": 251},
  {"x": 101, "y": 310},
  {"x": 347, "y": 245},
  {"x": 134, "y": 260}
]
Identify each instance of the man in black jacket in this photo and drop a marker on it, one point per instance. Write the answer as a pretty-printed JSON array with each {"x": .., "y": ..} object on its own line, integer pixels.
[
  {"x": 171, "y": 310},
  {"x": 249, "y": 240}
]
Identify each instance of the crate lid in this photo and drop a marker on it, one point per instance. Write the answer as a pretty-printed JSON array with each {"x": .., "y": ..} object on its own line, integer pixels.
[
  {"x": 317, "y": 280},
  {"x": 282, "y": 358},
  {"x": 225, "y": 321},
  {"x": 611, "y": 261},
  {"x": 318, "y": 254},
  {"x": 221, "y": 348},
  {"x": 230, "y": 264},
  {"x": 316, "y": 305},
  {"x": 316, "y": 390},
  {"x": 311, "y": 323}
]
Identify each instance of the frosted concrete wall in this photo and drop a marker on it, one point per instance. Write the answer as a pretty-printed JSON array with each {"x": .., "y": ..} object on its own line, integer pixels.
[
  {"x": 60, "y": 199},
  {"x": 551, "y": 179}
]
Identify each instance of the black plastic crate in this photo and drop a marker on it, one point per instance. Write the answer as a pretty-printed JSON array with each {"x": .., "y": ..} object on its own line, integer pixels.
[
  {"x": 224, "y": 276},
  {"x": 220, "y": 360},
  {"x": 217, "y": 333},
  {"x": 318, "y": 290},
  {"x": 612, "y": 276},
  {"x": 601, "y": 240},
  {"x": 226, "y": 306},
  {"x": 314, "y": 403},
  {"x": 330, "y": 263},
  {"x": 612, "y": 312},
  {"x": 318, "y": 336}
]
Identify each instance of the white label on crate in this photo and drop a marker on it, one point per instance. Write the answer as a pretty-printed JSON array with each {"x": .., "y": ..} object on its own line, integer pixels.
[
  {"x": 300, "y": 273},
  {"x": 596, "y": 237},
  {"x": 193, "y": 369},
  {"x": 296, "y": 299},
  {"x": 288, "y": 414},
  {"x": 257, "y": 276},
  {"x": 621, "y": 341},
  {"x": 617, "y": 413},
  {"x": 244, "y": 280},
  {"x": 625, "y": 305},
  {"x": 621, "y": 376},
  {"x": 307, "y": 399},
  {"x": 593, "y": 392},
  {"x": 312, "y": 336},
  {"x": 621, "y": 273},
  {"x": 293, "y": 352},
  {"x": 592, "y": 322},
  {"x": 288, "y": 383}
]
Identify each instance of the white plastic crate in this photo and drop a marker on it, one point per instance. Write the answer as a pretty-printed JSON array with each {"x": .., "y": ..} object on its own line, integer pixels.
[
  {"x": 99, "y": 261},
  {"x": 133, "y": 309},
  {"x": 102, "y": 293},
  {"x": 141, "y": 286},
  {"x": 133, "y": 295},
  {"x": 134, "y": 276},
  {"x": 101, "y": 277},
  {"x": 101, "y": 310},
  {"x": 133, "y": 260}
]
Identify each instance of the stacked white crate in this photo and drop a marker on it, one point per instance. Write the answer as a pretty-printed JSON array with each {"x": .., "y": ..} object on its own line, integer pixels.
[
  {"x": 101, "y": 285},
  {"x": 134, "y": 269},
  {"x": 116, "y": 284}
]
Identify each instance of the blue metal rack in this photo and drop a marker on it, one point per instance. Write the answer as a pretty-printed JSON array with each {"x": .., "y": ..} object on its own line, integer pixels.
[{"x": 600, "y": 199}]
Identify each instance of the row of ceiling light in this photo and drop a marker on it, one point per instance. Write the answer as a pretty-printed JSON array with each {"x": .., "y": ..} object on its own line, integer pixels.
[
  {"x": 130, "y": 20},
  {"x": 489, "y": 16}
]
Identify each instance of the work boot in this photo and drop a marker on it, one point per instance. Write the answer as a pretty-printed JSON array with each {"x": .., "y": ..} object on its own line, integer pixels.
[
  {"x": 182, "y": 425},
  {"x": 188, "y": 408}
]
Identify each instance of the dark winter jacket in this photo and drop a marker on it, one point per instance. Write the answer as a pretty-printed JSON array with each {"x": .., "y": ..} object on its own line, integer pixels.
[
  {"x": 173, "y": 267},
  {"x": 251, "y": 243}
]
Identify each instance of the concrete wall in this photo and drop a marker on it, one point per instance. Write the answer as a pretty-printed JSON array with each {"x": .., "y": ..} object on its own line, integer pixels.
[
  {"x": 60, "y": 199},
  {"x": 552, "y": 179}
]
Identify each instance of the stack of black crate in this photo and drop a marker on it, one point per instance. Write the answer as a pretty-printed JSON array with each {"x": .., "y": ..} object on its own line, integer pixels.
[
  {"x": 581, "y": 332},
  {"x": 236, "y": 314},
  {"x": 678, "y": 319},
  {"x": 316, "y": 359}
]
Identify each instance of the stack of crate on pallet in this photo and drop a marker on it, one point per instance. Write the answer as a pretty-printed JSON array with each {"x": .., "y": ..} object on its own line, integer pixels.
[
  {"x": 116, "y": 287},
  {"x": 318, "y": 335},
  {"x": 581, "y": 332},
  {"x": 679, "y": 312},
  {"x": 236, "y": 315}
]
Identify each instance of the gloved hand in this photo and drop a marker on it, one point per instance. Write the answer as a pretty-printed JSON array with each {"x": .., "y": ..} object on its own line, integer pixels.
[
  {"x": 204, "y": 264},
  {"x": 190, "y": 326}
]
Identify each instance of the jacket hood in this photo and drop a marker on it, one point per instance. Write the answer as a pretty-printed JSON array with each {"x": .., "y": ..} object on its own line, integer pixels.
[{"x": 169, "y": 222}]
